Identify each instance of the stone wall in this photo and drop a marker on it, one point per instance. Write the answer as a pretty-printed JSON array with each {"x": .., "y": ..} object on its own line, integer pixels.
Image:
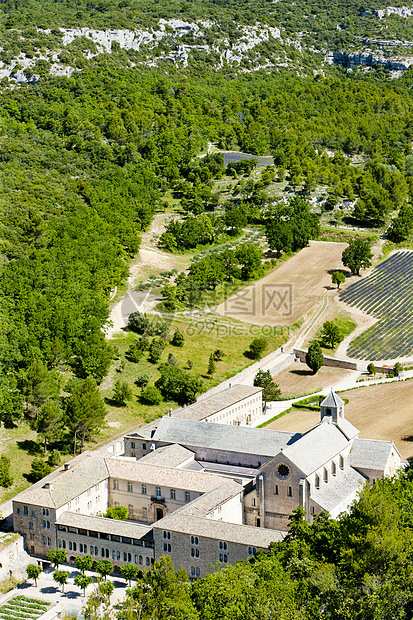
[{"x": 328, "y": 361}]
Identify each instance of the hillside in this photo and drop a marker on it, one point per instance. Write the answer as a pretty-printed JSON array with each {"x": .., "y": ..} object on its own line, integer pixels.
[{"x": 43, "y": 36}]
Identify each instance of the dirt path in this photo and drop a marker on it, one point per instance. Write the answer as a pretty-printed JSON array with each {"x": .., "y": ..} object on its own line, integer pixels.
[{"x": 150, "y": 260}]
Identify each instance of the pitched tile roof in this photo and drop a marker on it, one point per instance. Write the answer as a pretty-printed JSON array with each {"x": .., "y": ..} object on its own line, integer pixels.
[{"x": 243, "y": 439}]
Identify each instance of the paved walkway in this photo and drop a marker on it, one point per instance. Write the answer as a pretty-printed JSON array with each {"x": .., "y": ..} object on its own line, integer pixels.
[{"x": 69, "y": 601}]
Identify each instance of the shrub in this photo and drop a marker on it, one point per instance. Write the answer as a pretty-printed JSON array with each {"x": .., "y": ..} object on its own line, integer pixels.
[{"x": 151, "y": 395}]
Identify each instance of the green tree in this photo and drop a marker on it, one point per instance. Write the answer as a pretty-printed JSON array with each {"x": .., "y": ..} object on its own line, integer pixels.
[
  {"x": 397, "y": 368},
  {"x": 104, "y": 568},
  {"x": 331, "y": 334},
  {"x": 160, "y": 593},
  {"x": 138, "y": 322},
  {"x": 50, "y": 422},
  {"x": 120, "y": 513},
  {"x": 178, "y": 339},
  {"x": 338, "y": 278},
  {"x": 314, "y": 357},
  {"x": 98, "y": 604},
  {"x": 94, "y": 354},
  {"x": 178, "y": 385},
  {"x": 151, "y": 395},
  {"x": 135, "y": 351},
  {"x": 56, "y": 557},
  {"x": 84, "y": 563},
  {"x": 249, "y": 256},
  {"x": 6, "y": 479},
  {"x": 85, "y": 410},
  {"x": 129, "y": 572},
  {"x": 257, "y": 348},
  {"x": 54, "y": 458},
  {"x": 121, "y": 393},
  {"x": 271, "y": 390},
  {"x": 357, "y": 255},
  {"x": 61, "y": 577},
  {"x": 33, "y": 571},
  {"x": 371, "y": 369},
  {"x": 41, "y": 385},
  {"x": 83, "y": 581},
  {"x": 39, "y": 469},
  {"x": 211, "y": 365}
]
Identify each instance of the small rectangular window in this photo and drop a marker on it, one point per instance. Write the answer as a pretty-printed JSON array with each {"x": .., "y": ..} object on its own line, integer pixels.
[
  {"x": 158, "y": 491},
  {"x": 130, "y": 487},
  {"x": 116, "y": 485},
  {"x": 144, "y": 512},
  {"x": 25, "y": 511},
  {"x": 144, "y": 489},
  {"x": 132, "y": 444},
  {"x": 276, "y": 489},
  {"x": 187, "y": 496},
  {"x": 290, "y": 492},
  {"x": 173, "y": 494},
  {"x": 144, "y": 446},
  {"x": 194, "y": 540},
  {"x": 194, "y": 552},
  {"x": 17, "y": 511}
]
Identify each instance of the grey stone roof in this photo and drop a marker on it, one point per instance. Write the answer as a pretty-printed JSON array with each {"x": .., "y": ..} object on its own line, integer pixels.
[
  {"x": 100, "y": 524},
  {"x": 86, "y": 470},
  {"x": 227, "y": 398},
  {"x": 162, "y": 476},
  {"x": 243, "y": 439},
  {"x": 347, "y": 428},
  {"x": 219, "y": 530},
  {"x": 168, "y": 456},
  {"x": 332, "y": 400},
  {"x": 370, "y": 454},
  {"x": 316, "y": 447},
  {"x": 337, "y": 489},
  {"x": 203, "y": 505}
]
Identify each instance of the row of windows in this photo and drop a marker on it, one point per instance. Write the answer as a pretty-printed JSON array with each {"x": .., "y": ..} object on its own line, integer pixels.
[
  {"x": 195, "y": 571},
  {"x": 158, "y": 490},
  {"x": 46, "y": 525},
  {"x": 325, "y": 471},
  {"x": 104, "y": 552},
  {"x": 289, "y": 491},
  {"x": 45, "y": 540}
]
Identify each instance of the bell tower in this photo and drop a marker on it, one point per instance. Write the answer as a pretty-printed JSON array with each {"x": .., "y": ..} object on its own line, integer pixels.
[{"x": 332, "y": 408}]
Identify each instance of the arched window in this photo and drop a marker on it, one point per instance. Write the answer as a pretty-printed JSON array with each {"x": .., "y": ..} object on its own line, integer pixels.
[
  {"x": 325, "y": 474},
  {"x": 341, "y": 462},
  {"x": 290, "y": 491},
  {"x": 317, "y": 481},
  {"x": 333, "y": 468},
  {"x": 275, "y": 489}
]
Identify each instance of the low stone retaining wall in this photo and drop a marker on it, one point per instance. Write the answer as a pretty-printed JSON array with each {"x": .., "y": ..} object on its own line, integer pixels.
[{"x": 328, "y": 361}]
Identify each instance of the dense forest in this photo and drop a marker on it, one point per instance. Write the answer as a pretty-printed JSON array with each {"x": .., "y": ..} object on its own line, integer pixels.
[
  {"x": 358, "y": 567},
  {"x": 86, "y": 160}
]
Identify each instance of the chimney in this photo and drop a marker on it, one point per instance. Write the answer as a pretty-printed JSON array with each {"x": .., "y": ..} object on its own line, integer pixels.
[
  {"x": 67, "y": 466},
  {"x": 48, "y": 485}
]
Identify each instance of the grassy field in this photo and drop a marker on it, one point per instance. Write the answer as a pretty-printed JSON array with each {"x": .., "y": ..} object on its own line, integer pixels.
[
  {"x": 203, "y": 336},
  {"x": 379, "y": 412}
]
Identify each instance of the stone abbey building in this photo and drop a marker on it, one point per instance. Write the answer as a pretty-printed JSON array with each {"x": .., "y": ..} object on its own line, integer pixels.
[{"x": 203, "y": 493}]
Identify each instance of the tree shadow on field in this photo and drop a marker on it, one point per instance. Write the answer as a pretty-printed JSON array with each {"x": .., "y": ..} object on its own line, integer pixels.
[
  {"x": 30, "y": 446},
  {"x": 346, "y": 272},
  {"x": 303, "y": 373},
  {"x": 407, "y": 438}
]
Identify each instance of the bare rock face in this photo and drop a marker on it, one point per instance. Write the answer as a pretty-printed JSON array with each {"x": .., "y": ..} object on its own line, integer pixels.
[
  {"x": 403, "y": 11},
  {"x": 367, "y": 59}
]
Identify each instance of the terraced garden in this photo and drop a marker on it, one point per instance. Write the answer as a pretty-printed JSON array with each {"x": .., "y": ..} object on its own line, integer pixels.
[
  {"x": 387, "y": 294},
  {"x": 23, "y": 608}
]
